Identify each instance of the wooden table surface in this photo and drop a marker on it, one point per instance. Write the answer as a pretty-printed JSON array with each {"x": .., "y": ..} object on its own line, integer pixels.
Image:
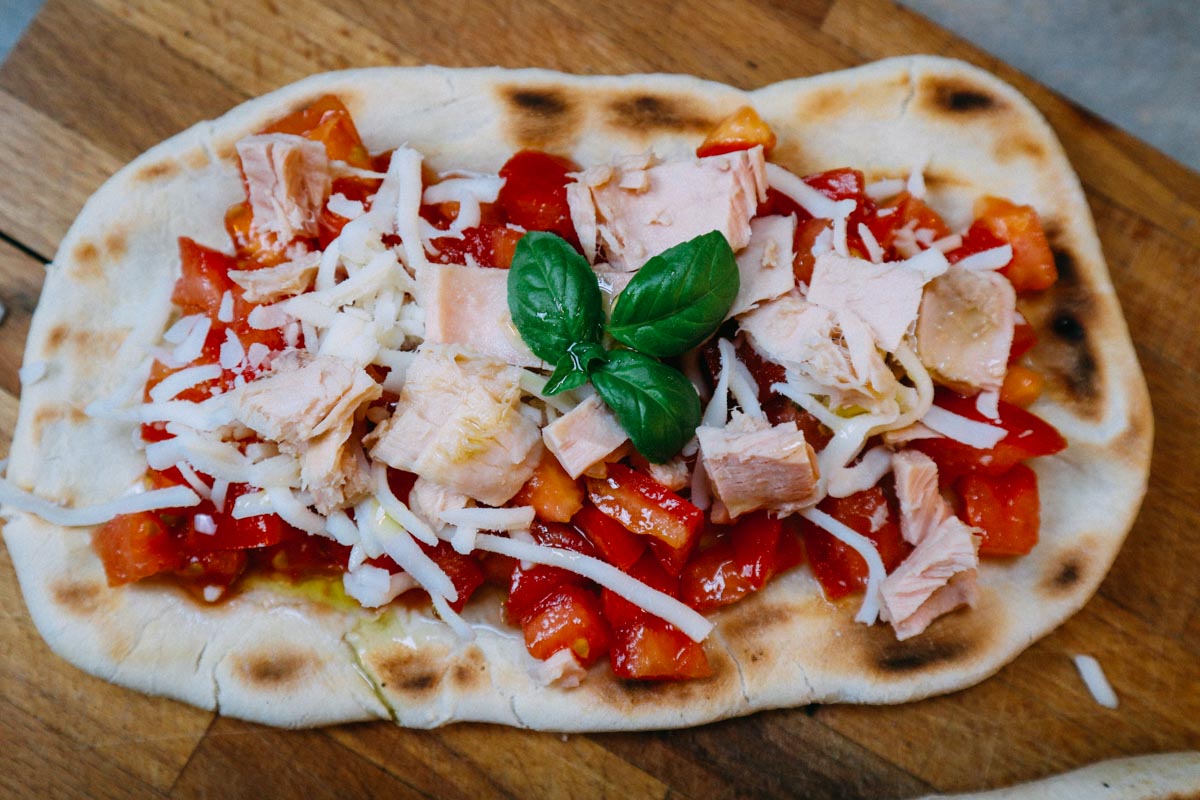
[{"x": 95, "y": 82}]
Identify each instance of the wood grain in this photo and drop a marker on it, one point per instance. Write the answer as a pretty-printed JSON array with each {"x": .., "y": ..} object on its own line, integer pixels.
[{"x": 94, "y": 82}]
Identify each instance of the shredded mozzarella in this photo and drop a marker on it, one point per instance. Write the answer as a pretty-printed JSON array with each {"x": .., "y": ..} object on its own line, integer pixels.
[
  {"x": 995, "y": 258},
  {"x": 396, "y": 509},
  {"x": 402, "y": 548},
  {"x": 192, "y": 345},
  {"x": 988, "y": 404},
  {"x": 916, "y": 180},
  {"x": 463, "y": 539},
  {"x": 232, "y": 352},
  {"x": 171, "y": 386},
  {"x": 874, "y": 251},
  {"x": 294, "y": 512},
  {"x": 663, "y": 606},
  {"x": 491, "y": 519},
  {"x": 884, "y": 189},
  {"x": 344, "y": 207},
  {"x": 808, "y": 198},
  {"x": 181, "y": 328},
  {"x": 204, "y": 523},
  {"x": 193, "y": 480},
  {"x": 1093, "y": 678},
  {"x": 173, "y": 497},
  {"x": 219, "y": 489},
  {"x": 875, "y": 463},
  {"x": 869, "y": 611},
  {"x": 961, "y": 429},
  {"x": 225, "y": 311}
]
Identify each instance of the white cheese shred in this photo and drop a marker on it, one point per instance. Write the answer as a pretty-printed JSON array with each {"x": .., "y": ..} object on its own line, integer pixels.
[
  {"x": 225, "y": 312},
  {"x": 667, "y": 608},
  {"x": 869, "y": 611},
  {"x": 174, "y": 497},
  {"x": 397, "y": 510},
  {"x": 1093, "y": 678},
  {"x": 491, "y": 519},
  {"x": 995, "y": 258},
  {"x": 170, "y": 387},
  {"x": 961, "y": 429}
]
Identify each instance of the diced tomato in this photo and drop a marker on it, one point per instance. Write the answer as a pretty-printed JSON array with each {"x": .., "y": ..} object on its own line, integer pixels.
[
  {"x": 979, "y": 237},
  {"x": 645, "y": 506},
  {"x": 489, "y": 244},
  {"x": 737, "y": 566},
  {"x": 1032, "y": 267},
  {"x": 839, "y": 184},
  {"x": 622, "y": 613},
  {"x": 1028, "y": 436},
  {"x": 1005, "y": 507},
  {"x": 530, "y": 586},
  {"x": 790, "y": 552},
  {"x": 1022, "y": 386},
  {"x": 249, "y": 532},
  {"x": 135, "y": 546},
  {"x": 909, "y": 211},
  {"x": 615, "y": 544},
  {"x": 672, "y": 559},
  {"x": 302, "y": 556},
  {"x": 741, "y": 130},
  {"x": 327, "y": 121},
  {"x": 656, "y": 650},
  {"x": 253, "y": 246},
  {"x": 554, "y": 495},
  {"x": 1024, "y": 338},
  {"x": 204, "y": 280},
  {"x": 534, "y": 194},
  {"x": 838, "y": 567},
  {"x": 463, "y": 570},
  {"x": 218, "y": 568},
  {"x": 569, "y": 618}
]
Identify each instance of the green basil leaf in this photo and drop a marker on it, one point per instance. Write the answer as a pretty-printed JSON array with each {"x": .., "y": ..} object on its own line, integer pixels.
[
  {"x": 553, "y": 296},
  {"x": 678, "y": 298},
  {"x": 655, "y": 404},
  {"x": 572, "y": 369}
]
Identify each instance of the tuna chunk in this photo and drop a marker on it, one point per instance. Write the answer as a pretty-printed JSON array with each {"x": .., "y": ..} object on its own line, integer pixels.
[
  {"x": 634, "y": 211},
  {"x": 922, "y": 508},
  {"x": 752, "y": 466},
  {"x": 766, "y": 263},
  {"x": 283, "y": 280},
  {"x": 835, "y": 350},
  {"x": 584, "y": 436},
  {"x": 885, "y": 296},
  {"x": 288, "y": 179},
  {"x": 468, "y": 306},
  {"x": 965, "y": 329},
  {"x": 458, "y": 423},
  {"x": 428, "y": 500},
  {"x": 918, "y": 591},
  {"x": 308, "y": 405}
]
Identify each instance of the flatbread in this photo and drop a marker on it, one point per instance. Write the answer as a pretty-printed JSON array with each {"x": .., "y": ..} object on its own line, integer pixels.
[
  {"x": 290, "y": 658},
  {"x": 1168, "y": 776}
]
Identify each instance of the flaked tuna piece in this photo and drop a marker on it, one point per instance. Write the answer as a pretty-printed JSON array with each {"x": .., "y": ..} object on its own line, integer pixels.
[
  {"x": 885, "y": 296},
  {"x": 754, "y": 466},
  {"x": 283, "y": 280},
  {"x": 308, "y": 405},
  {"x": 468, "y": 306},
  {"x": 961, "y": 590},
  {"x": 428, "y": 500},
  {"x": 458, "y": 423},
  {"x": 303, "y": 397},
  {"x": 673, "y": 474},
  {"x": 922, "y": 508},
  {"x": 765, "y": 265},
  {"x": 287, "y": 179},
  {"x": 965, "y": 329},
  {"x": 334, "y": 469},
  {"x": 631, "y": 212},
  {"x": 835, "y": 350},
  {"x": 949, "y": 550},
  {"x": 584, "y": 436}
]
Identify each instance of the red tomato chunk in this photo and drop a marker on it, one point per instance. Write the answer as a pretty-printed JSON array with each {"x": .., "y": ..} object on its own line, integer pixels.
[{"x": 1005, "y": 507}]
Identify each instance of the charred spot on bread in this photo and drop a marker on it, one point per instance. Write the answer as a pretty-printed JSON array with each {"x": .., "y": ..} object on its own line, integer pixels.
[
  {"x": 268, "y": 670},
  {"x": 1067, "y": 575},
  {"x": 653, "y": 113},
  {"x": 403, "y": 670},
  {"x": 540, "y": 117},
  {"x": 78, "y": 597},
  {"x": 470, "y": 672},
  {"x": 156, "y": 171},
  {"x": 918, "y": 653},
  {"x": 956, "y": 96}
]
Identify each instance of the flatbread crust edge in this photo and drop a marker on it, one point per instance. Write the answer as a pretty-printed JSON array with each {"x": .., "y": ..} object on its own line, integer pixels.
[
  {"x": 1167, "y": 776},
  {"x": 284, "y": 659}
]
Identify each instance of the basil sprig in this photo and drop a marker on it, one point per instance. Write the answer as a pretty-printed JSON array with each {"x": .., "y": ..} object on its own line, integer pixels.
[{"x": 676, "y": 301}]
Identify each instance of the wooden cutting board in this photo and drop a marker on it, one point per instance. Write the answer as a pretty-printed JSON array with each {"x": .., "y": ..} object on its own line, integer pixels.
[{"x": 95, "y": 82}]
